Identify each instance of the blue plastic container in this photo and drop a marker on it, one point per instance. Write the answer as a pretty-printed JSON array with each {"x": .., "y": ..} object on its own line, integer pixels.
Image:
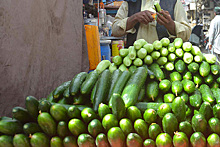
[{"x": 105, "y": 49}]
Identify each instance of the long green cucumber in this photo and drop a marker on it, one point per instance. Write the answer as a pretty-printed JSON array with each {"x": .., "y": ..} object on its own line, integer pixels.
[
  {"x": 60, "y": 89},
  {"x": 207, "y": 94},
  {"x": 131, "y": 91}
]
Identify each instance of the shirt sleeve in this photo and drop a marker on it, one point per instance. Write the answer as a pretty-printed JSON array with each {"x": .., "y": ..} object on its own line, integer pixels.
[
  {"x": 211, "y": 32},
  {"x": 182, "y": 27},
  {"x": 120, "y": 22}
]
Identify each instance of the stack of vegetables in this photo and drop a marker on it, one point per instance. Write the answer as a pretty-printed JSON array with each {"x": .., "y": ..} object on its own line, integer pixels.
[{"x": 160, "y": 94}]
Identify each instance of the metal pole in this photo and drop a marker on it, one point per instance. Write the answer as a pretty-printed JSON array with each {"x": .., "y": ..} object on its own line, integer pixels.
[{"x": 196, "y": 13}]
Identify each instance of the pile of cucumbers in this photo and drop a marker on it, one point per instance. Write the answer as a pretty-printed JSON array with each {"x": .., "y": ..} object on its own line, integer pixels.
[{"x": 160, "y": 94}]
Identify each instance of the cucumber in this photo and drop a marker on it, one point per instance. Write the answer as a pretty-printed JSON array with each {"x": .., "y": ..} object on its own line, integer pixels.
[
  {"x": 149, "y": 72},
  {"x": 175, "y": 76},
  {"x": 31, "y": 128},
  {"x": 216, "y": 111},
  {"x": 76, "y": 82},
  {"x": 85, "y": 140},
  {"x": 163, "y": 110},
  {"x": 58, "y": 92},
  {"x": 133, "y": 139},
  {"x": 39, "y": 140},
  {"x": 180, "y": 66},
  {"x": 117, "y": 60},
  {"x": 149, "y": 143},
  {"x": 178, "y": 42},
  {"x": 58, "y": 112},
  {"x": 179, "y": 53},
  {"x": 133, "y": 87},
  {"x": 102, "y": 140},
  {"x": 214, "y": 85},
  {"x": 188, "y": 86},
  {"x": 152, "y": 90},
  {"x": 155, "y": 55},
  {"x": 88, "y": 114},
  {"x": 180, "y": 139},
  {"x": 186, "y": 128},
  {"x": 206, "y": 110},
  {"x": 216, "y": 94},
  {"x": 127, "y": 61},
  {"x": 132, "y": 53},
  {"x": 157, "y": 71},
  {"x": 70, "y": 141},
  {"x": 188, "y": 57},
  {"x": 195, "y": 50},
  {"x": 164, "y": 52},
  {"x": 187, "y": 75},
  {"x": 187, "y": 46},
  {"x": 162, "y": 61},
  {"x": 149, "y": 47},
  {"x": 50, "y": 97},
  {"x": 197, "y": 79},
  {"x": 154, "y": 130},
  {"x": 6, "y": 141},
  {"x": 158, "y": 9},
  {"x": 193, "y": 67},
  {"x": 207, "y": 93},
  {"x": 164, "y": 140},
  {"x": 116, "y": 137},
  {"x": 123, "y": 52},
  {"x": 142, "y": 106},
  {"x": 165, "y": 41},
  {"x": 198, "y": 58},
  {"x": 142, "y": 95},
  {"x": 80, "y": 99},
  {"x": 104, "y": 64},
  {"x": 177, "y": 87},
  {"x": 204, "y": 69},
  {"x": 133, "y": 113},
  {"x": 213, "y": 140},
  {"x": 103, "y": 110},
  {"x": 198, "y": 139},
  {"x": 119, "y": 85},
  {"x": 74, "y": 112},
  {"x": 21, "y": 114},
  {"x": 172, "y": 57},
  {"x": 56, "y": 142},
  {"x": 132, "y": 68},
  {"x": 32, "y": 104},
  {"x": 170, "y": 123},
  {"x": 169, "y": 66},
  {"x": 215, "y": 69},
  {"x": 44, "y": 106},
  {"x": 118, "y": 106},
  {"x": 184, "y": 96},
  {"x": 141, "y": 127},
  {"x": 209, "y": 79},
  {"x": 94, "y": 89},
  {"x": 20, "y": 140},
  {"x": 109, "y": 121},
  {"x": 150, "y": 116},
  {"x": 112, "y": 67},
  {"x": 65, "y": 101},
  {"x": 195, "y": 99},
  {"x": 148, "y": 60},
  {"x": 62, "y": 129},
  {"x": 95, "y": 127},
  {"x": 88, "y": 84},
  {"x": 199, "y": 123},
  {"x": 142, "y": 53},
  {"x": 138, "y": 62},
  {"x": 76, "y": 127},
  {"x": 102, "y": 89},
  {"x": 126, "y": 126},
  {"x": 168, "y": 98},
  {"x": 47, "y": 123},
  {"x": 157, "y": 44},
  {"x": 214, "y": 124},
  {"x": 138, "y": 44}
]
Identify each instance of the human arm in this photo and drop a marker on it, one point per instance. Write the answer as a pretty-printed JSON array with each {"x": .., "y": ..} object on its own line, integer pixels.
[{"x": 179, "y": 27}]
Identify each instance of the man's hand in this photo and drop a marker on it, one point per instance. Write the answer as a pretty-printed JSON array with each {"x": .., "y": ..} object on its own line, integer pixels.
[
  {"x": 141, "y": 17},
  {"x": 210, "y": 46},
  {"x": 165, "y": 19}
]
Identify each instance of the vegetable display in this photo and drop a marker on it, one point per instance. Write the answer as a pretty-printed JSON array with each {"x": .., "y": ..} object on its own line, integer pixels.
[{"x": 160, "y": 94}]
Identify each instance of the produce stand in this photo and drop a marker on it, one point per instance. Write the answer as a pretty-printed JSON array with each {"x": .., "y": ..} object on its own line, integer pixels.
[{"x": 160, "y": 94}]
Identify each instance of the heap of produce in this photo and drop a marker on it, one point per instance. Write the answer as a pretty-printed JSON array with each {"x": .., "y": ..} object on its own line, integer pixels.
[{"x": 160, "y": 94}]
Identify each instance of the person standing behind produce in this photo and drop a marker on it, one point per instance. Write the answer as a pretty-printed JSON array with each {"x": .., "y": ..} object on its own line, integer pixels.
[
  {"x": 214, "y": 33},
  {"x": 135, "y": 19}
]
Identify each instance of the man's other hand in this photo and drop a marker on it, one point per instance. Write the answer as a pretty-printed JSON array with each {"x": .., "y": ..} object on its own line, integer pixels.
[{"x": 144, "y": 17}]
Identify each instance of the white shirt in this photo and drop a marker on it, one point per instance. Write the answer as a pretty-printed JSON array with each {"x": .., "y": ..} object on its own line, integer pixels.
[{"x": 214, "y": 34}]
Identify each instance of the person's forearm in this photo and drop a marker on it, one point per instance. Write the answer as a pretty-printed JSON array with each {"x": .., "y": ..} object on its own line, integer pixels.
[
  {"x": 131, "y": 22},
  {"x": 171, "y": 28}
]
